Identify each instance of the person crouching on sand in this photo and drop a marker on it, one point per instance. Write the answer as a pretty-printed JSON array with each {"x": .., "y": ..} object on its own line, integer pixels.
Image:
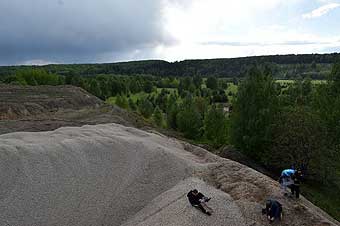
[{"x": 198, "y": 200}]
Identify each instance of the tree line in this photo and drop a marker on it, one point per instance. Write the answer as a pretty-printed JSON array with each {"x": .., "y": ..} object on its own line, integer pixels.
[
  {"x": 316, "y": 66},
  {"x": 298, "y": 125}
]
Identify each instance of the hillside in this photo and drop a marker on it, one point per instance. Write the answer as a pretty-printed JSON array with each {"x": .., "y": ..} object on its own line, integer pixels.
[
  {"x": 316, "y": 66},
  {"x": 43, "y": 108},
  {"x": 115, "y": 175},
  {"x": 22, "y": 101}
]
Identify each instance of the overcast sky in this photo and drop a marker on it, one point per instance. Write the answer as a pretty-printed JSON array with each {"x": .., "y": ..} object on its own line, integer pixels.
[{"x": 96, "y": 31}]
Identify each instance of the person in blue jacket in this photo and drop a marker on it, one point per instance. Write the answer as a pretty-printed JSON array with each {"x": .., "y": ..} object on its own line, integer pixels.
[
  {"x": 288, "y": 172},
  {"x": 291, "y": 178},
  {"x": 286, "y": 179}
]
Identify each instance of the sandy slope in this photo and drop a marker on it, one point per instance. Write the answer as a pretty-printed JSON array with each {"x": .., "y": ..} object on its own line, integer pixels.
[
  {"x": 172, "y": 208},
  {"x": 115, "y": 175}
]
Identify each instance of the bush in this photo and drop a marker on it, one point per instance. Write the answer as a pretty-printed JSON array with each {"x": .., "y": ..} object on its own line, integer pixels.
[
  {"x": 132, "y": 105},
  {"x": 216, "y": 126},
  {"x": 172, "y": 112},
  {"x": 158, "y": 117},
  {"x": 212, "y": 83},
  {"x": 146, "y": 108},
  {"x": 189, "y": 120},
  {"x": 298, "y": 139},
  {"x": 253, "y": 113},
  {"x": 121, "y": 101},
  {"x": 35, "y": 77}
]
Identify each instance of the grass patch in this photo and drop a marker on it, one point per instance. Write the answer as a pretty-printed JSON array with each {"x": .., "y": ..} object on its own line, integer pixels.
[
  {"x": 111, "y": 100},
  {"x": 284, "y": 81},
  {"x": 171, "y": 90},
  {"x": 232, "y": 88},
  {"x": 289, "y": 81},
  {"x": 138, "y": 96}
]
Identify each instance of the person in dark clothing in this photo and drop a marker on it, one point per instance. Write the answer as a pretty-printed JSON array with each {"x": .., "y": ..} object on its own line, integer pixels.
[
  {"x": 273, "y": 210},
  {"x": 291, "y": 178},
  {"x": 198, "y": 200},
  {"x": 295, "y": 187}
]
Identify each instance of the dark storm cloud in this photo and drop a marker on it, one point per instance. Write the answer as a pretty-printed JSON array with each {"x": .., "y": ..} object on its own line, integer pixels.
[{"x": 78, "y": 30}]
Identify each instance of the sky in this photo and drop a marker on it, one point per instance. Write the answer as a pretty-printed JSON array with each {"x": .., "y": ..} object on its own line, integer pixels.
[{"x": 87, "y": 31}]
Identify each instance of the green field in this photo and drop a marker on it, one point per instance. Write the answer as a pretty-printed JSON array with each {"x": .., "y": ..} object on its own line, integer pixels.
[
  {"x": 232, "y": 88},
  {"x": 288, "y": 81}
]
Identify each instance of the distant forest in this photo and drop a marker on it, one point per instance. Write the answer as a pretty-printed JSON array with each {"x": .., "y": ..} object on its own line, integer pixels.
[{"x": 315, "y": 66}]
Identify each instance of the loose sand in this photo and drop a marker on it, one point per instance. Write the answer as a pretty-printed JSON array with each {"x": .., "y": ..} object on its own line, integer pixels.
[{"x": 115, "y": 175}]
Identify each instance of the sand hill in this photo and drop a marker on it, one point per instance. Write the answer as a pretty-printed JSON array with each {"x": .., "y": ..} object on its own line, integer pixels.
[
  {"x": 114, "y": 175},
  {"x": 46, "y": 108}
]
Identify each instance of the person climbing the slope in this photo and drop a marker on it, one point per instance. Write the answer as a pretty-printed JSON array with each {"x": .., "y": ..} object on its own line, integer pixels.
[
  {"x": 273, "y": 210},
  {"x": 295, "y": 186},
  {"x": 198, "y": 200},
  {"x": 286, "y": 179},
  {"x": 291, "y": 178}
]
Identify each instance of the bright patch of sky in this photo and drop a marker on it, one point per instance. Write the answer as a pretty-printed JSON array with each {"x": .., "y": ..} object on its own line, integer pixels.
[{"x": 219, "y": 28}]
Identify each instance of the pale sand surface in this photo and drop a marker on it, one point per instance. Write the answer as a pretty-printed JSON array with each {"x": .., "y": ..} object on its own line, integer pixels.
[{"x": 115, "y": 175}]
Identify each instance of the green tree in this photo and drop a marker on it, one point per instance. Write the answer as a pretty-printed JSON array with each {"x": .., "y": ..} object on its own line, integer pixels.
[
  {"x": 189, "y": 120},
  {"x": 223, "y": 84},
  {"x": 201, "y": 105},
  {"x": 146, "y": 108},
  {"x": 185, "y": 84},
  {"x": 172, "y": 111},
  {"x": 148, "y": 87},
  {"x": 35, "y": 77},
  {"x": 134, "y": 86},
  {"x": 162, "y": 99},
  {"x": 94, "y": 88},
  {"x": 172, "y": 116},
  {"x": 158, "y": 117},
  {"x": 327, "y": 104},
  {"x": 300, "y": 139},
  {"x": 61, "y": 81},
  {"x": 253, "y": 111},
  {"x": 313, "y": 65},
  {"x": 327, "y": 107},
  {"x": 297, "y": 93},
  {"x": 132, "y": 105},
  {"x": 212, "y": 83},
  {"x": 197, "y": 80},
  {"x": 216, "y": 126},
  {"x": 297, "y": 138},
  {"x": 121, "y": 101}
]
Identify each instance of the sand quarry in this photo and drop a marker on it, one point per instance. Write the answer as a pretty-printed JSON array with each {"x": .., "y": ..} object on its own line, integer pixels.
[{"x": 114, "y": 175}]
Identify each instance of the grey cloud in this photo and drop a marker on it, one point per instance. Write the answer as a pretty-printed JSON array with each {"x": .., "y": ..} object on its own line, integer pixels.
[{"x": 78, "y": 30}]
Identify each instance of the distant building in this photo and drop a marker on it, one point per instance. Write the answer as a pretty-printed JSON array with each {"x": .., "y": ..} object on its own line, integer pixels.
[{"x": 227, "y": 108}]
